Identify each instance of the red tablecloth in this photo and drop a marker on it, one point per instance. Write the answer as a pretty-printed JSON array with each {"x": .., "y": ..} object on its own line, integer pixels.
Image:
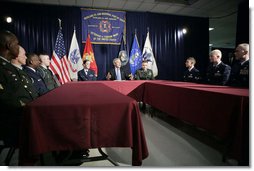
[
  {"x": 222, "y": 111},
  {"x": 78, "y": 116},
  {"x": 134, "y": 89}
]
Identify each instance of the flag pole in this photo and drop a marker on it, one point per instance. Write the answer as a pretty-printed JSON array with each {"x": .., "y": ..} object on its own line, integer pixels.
[
  {"x": 135, "y": 35},
  {"x": 124, "y": 42},
  {"x": 60, "y": 22}
]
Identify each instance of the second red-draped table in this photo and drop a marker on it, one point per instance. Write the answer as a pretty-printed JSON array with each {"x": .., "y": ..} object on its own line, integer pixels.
[{"x": 221, "y": 110}]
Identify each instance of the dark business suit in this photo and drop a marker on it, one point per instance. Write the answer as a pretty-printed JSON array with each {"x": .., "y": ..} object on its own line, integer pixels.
[
  {"x": 124, "y": 74},
  {"x": 37, "y": 80},
  {"x": 15, "y": 92},
  {"x": 239, "y": 76},
  {"x": 192, "y": 75},
  {"x": 90, "y": 76},
  {"x": 218, "y": 75}
]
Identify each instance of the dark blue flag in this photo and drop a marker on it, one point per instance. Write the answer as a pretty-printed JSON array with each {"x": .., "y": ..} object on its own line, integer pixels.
[{"x": 135, "y": 56}]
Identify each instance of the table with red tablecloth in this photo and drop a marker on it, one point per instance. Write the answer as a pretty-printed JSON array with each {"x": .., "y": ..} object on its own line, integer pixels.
[
  {"x": 134, "y": 88},
  {"x": 220, "y": 110},
  {"x": 82, "y": 116},
  {"x": 101, "y": 114}
]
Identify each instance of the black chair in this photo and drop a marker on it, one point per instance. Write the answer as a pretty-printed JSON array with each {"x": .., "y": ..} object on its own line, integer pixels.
[
  {"x": 9, "y": 155},
  {"x": 9, "y": 132}
]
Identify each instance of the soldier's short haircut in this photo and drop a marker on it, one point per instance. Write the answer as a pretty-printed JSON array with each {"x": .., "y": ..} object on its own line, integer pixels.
[
  {"x": 29, "y": 57},
  {"x": 5, "y": 37},
  {"x": 192, "y": 59},
  {"x": 244, "y": 46},
  {"x": 216, "y": 52},
  {"x": 84, "y": 62},
  {"x": 43, "y": 53}
]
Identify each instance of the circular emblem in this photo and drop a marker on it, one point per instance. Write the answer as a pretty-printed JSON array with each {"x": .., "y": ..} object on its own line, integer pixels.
[
  {"x": 123, "y": 57},
  {"x": 147, "y": 56},
  {"x": 74, "y": 56},
  {"x": 105, "y": 26}
]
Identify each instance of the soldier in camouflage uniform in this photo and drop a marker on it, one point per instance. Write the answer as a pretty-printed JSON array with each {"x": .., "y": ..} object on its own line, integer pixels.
[
  {"x": 14, "y": 90},
  {"x": 47, "y": 75},
  {"x": 144, "y": 73}
]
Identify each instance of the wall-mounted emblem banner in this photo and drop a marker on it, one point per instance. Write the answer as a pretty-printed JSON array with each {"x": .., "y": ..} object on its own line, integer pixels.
[{"x": 104, "y": 26}]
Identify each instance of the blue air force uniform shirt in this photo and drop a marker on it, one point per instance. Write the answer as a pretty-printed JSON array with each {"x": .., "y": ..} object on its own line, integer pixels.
[
  {"x": 86, "y": 75},
  {"x": 192, "y": 75},
  {"x": 218, "y": 74},
  {"x": 239, "y": 76},
  {"x": 37, "y": 80}
]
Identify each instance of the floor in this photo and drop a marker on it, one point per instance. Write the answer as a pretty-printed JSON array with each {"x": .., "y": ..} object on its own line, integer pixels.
[{"x": 168, "y": 146}]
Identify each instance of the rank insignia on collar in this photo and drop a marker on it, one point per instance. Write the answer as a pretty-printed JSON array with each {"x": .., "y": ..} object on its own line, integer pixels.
[{"x": 1, "y": 87}]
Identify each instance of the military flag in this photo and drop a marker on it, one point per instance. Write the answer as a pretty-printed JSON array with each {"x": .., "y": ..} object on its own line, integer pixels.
[
  {"x": 149, "y": 56},
  {"x": 135, "y": 56},
  {"x": 89, "y": 55},
  {"x": 74, "y": 58}
]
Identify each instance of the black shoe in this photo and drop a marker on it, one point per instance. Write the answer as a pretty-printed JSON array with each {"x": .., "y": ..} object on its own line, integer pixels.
[
  {"x": 79, "y": 154},
  {"x": 86, "y": 152}
]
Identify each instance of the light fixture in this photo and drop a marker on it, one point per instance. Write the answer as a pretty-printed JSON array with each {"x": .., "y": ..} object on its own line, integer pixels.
[
  {"x": 211, "y": 28},
  {"x": 184, "y": 31},
  {"x": 8, "y": 19}
]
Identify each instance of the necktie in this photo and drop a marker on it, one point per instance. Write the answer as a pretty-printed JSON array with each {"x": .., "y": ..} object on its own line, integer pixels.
[
  {"x": 86, "y": 71},
  {"x": 118, "y": 74}
]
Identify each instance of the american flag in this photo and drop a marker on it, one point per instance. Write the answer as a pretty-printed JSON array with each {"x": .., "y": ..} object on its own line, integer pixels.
[{"x": 59, "y": 62}]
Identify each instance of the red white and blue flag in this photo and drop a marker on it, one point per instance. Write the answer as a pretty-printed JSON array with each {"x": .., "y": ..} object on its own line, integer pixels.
[{"x": 59, "y": 62}]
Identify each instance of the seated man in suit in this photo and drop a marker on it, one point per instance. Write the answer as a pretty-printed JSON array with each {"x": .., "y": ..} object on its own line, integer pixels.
[
  {"x": 117, "y": 73},
  {"x": 191, "y": 74},
  {"x": 217, "y": 72},
  {"x": 86, "y": 74},
  {"x": 49, "y": 78},
  {"x": 32, "y": 63},
  {"x": 239, "y": 76},
  {"x": 144, "y": 73}
]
